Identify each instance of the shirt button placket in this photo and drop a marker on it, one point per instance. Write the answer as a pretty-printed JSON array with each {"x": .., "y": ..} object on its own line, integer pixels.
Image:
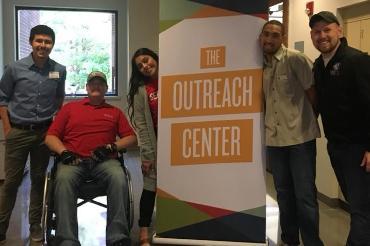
[{"x": 38, "y": 99}]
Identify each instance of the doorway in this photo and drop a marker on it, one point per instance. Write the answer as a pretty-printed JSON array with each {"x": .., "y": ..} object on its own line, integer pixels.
[{"x": 356, "y": 23}]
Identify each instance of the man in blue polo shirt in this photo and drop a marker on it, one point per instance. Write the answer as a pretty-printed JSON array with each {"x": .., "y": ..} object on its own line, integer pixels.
[{"x": 31, "y": 91}]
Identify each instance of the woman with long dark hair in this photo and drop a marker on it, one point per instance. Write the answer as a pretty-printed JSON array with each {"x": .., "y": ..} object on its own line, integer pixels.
[{"x": 143, "y": 114}]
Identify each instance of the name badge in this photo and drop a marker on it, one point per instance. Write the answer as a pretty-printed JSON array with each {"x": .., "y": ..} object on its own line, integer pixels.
[{"x": 53, "y": 75}]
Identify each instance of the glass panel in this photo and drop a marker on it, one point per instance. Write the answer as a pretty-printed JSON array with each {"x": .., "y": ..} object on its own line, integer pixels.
[
  {"x": 276, "y": 12},
  {"x": 85, "y": 41}
]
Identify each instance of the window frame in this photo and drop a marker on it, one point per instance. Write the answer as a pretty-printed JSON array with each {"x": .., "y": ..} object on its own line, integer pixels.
[{"x": 114, "y": 68}]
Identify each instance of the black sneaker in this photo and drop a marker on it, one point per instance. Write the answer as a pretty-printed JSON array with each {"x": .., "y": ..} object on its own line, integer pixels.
[
  {"x": 36, "y": 233},
  {"x": 2, "y": 239}
]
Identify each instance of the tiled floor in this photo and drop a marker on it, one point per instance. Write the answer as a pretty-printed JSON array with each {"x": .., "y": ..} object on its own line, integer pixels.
[{"x": 333, "y": 222}]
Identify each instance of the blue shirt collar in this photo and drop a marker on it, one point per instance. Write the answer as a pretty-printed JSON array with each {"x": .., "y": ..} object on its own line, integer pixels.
[{"x": 29, "y": 61}]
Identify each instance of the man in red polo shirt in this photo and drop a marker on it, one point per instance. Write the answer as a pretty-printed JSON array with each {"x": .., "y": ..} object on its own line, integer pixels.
[{"x": 84, "y": 135}]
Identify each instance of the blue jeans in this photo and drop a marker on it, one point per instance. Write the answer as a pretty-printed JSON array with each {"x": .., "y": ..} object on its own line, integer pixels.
[
  {"x": 68, "y": 178},
  {"x": 294, "y": 172},
  {"x": 354, "y": 182}
]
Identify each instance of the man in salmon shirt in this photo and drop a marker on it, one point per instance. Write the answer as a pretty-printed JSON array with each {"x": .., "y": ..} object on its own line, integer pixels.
[{"x": 84, "y": 135}]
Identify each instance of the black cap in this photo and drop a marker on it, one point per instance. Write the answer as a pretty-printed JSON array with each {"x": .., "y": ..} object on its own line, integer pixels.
[{"x": 326, "y": 16}]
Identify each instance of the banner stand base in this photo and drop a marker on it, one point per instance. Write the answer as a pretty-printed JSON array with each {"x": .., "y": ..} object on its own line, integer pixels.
[{"x": 178, "y": 241}]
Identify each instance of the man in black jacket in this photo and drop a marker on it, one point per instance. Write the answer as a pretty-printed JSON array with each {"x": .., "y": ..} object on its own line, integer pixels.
[{"x": 342, "y": 78}]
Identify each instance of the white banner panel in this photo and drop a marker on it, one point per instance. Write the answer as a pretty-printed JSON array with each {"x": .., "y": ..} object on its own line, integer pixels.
[{"x": 211, "y": 183}]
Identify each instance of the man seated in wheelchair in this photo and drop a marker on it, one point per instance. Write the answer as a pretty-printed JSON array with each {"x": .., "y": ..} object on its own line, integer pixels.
[{"x": 83, "y": 134}]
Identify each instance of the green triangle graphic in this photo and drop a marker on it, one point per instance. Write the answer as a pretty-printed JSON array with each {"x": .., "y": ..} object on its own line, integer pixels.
[
  {"x": 172, "y": 12},
  {"x": 173, "y": 214},
  {"x": 259, "y": 212},
  {"x": 165, "y": 24}
]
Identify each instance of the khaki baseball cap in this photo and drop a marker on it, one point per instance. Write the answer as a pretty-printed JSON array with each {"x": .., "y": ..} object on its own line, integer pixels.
[{"x": 97, "y": 74}]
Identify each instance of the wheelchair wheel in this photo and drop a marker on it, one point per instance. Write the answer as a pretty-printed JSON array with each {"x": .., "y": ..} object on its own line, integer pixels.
[
  {"x": 48, "y": 224},
  {"x": 130, "y": 199},
  {"x": 45, "y": 206}
]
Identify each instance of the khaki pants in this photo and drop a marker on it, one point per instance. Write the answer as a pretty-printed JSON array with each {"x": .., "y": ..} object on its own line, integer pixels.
[{"x": 19, "y": 144}]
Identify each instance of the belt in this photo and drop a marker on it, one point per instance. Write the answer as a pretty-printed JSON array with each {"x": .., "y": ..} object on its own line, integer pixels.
[{"x": 32, "y": 127}]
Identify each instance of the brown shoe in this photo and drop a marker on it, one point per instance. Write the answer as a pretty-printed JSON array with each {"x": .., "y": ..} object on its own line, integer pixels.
[
  {"x": 2, "y": 239},
  {"x": 36, "y": 233}
]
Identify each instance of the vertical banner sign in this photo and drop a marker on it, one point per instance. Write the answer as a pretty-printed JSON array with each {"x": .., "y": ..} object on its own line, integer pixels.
[{"x": 211, "y": 181}]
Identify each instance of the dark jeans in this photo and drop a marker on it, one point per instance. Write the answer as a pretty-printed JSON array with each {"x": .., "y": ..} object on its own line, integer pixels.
[
  {"x": 19, "y": 144},
  {"x": 68, "y": 179},
  {"x": 354, "y": 182},
  {"x": 147, "y": 202},
  {"x": 294, "y": 172}
]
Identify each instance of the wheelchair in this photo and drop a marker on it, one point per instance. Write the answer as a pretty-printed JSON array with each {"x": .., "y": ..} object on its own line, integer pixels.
[{"x": 88, "y": 191}]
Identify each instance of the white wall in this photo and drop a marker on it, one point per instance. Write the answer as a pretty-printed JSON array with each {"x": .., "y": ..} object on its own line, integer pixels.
[
  {"x": 138, "y": 25},
  {"x": 298, "y": 20},
  {"x": 1, "y": 72},
  {"x": 144, "y": 24},
  {"x": 143, "y": 29},
  {"x": 300, "y": 31},
  {"x": 1, "y": 39}
]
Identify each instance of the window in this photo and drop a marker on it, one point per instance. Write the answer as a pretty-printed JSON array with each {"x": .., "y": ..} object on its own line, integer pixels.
[
  {"x": 276, "y": 12},
  {"x": 85, "y": 40},
  {"x": 279, "y": 10}
]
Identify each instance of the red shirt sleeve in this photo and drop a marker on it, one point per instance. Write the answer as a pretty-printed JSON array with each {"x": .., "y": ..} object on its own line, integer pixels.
[
  {"x": 58, "y": 126},
  {"x": 124, "y": 128}
]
